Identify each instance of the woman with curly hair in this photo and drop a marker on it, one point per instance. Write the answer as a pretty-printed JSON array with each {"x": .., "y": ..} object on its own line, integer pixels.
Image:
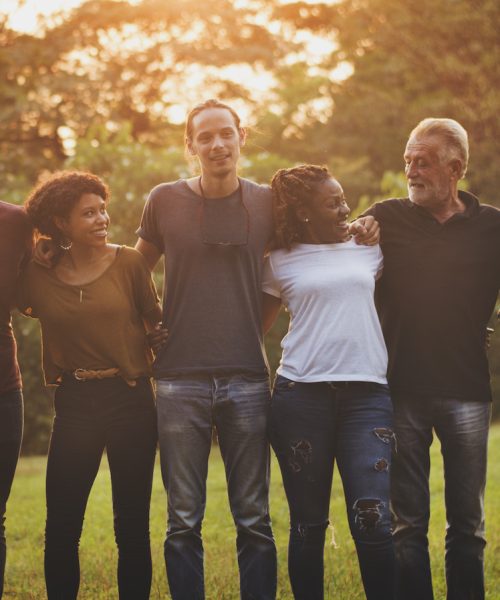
[
  {"x": 94, "y": 306},
  {"x": 330, "y": 400}
]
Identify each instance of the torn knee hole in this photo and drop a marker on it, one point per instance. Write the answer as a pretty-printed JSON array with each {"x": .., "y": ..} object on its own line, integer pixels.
[
  {"x": 386, "y": 435},
  {"x": 301, "y": 454},
  {"x": 367, "y": 513},
  {"x": 307, "y": 529},
  {"x": 382, "y": 464},
  {"x": 302, "y": 449}
]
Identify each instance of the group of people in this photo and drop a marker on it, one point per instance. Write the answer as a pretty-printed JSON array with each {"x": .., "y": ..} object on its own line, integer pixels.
[{"x": 386, "y": 344}]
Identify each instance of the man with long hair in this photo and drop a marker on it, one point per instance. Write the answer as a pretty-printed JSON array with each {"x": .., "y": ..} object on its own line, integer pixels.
[{"x": 212, "y": 371}]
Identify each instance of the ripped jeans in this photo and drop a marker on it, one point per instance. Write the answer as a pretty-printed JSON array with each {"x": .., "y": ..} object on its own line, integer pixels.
[{"x": 312, "y": 425}]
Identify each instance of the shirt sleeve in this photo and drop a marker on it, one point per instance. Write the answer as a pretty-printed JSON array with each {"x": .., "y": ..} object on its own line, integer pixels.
[
  {"x": 148, "y": 229},
  {"x": 24, "y": 295},
  {"x": 370, "y": 212},
  {"x": 145, "y": 294},
  {"x": 270, "y": 284},
  {"x": 379, "y": 263},
  {"x": 25, "y": 240}
]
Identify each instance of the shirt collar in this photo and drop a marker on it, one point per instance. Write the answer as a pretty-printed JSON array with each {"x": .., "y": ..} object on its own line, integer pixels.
[{"x": 470, "y": 201}]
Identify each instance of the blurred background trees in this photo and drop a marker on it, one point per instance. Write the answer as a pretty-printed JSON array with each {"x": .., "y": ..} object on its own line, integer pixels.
[{"x": 106, "y": 86}]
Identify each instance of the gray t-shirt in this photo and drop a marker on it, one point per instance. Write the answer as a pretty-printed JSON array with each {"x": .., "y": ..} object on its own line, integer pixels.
[{"x": 212, "y": 299}]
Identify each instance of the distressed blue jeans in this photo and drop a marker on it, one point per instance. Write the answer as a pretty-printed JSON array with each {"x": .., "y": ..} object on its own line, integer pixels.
[
  {"x": 237, "y": 406},
  {"x": 312, "y": 426},
  {"x": 11, "y": 433},
  {"x": 462, "y": 428}
]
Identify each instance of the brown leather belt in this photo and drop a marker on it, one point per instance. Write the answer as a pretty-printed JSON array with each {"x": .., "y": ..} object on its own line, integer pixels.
[{"x": 89, "y": 374}]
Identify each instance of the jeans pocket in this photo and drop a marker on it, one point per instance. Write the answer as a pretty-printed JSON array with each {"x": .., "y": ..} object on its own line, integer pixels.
[{"x": 282, "y": 383}]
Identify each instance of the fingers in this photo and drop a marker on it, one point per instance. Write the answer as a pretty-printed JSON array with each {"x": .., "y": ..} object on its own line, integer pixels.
[
  {"x": 367, "y": 239},
  {"x": 366, "y": 231},
  {"x": 158, "y": 337},
  {"x": 357, "y": 228},
  {"x": 46, "y": 253}
]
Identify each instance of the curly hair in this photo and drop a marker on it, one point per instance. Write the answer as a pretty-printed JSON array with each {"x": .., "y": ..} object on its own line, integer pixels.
[
  {"x": 57, "y": 195},
  {"x": 292, "y": 188}
]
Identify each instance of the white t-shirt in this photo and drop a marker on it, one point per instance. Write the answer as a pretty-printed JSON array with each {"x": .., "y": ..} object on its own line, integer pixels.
[{"x": 334, "y": 332}]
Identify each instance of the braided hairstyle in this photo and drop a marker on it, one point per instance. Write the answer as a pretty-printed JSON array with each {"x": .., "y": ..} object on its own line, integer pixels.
[
  {"x": 57, "y": 195},
  {"x": 292, "y": 188}
]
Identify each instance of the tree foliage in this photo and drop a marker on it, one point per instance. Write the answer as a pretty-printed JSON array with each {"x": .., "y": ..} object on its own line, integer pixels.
[
  {"x": 95, "y": 89},
  {"x": 410, "y": 61},
  {"x": 112, "y": 62}
]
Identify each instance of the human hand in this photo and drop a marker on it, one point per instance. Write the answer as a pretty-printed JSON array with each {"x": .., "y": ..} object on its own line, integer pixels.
[
  {"x": 46, "y": 253},
  {"x": 157, "y": 337},
  {"x": 489, "y": 331},
  {"x": 366, "y": 231}
]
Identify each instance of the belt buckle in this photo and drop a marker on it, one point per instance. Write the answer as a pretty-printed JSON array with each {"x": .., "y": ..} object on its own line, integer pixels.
[{"x": 76, "y": 376}]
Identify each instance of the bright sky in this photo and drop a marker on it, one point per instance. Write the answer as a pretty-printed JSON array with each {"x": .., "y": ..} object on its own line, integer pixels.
[{"x": 24, "y": 16}]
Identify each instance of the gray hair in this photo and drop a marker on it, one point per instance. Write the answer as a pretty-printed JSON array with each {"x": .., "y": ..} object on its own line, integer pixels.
[{"x": 453, "y": 134}]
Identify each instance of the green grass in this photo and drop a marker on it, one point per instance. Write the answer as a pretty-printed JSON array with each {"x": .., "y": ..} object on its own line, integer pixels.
[{"x": 26, "y": 516}]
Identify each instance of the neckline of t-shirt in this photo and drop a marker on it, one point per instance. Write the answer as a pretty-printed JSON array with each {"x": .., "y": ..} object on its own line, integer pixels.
[
  {"x": 470, "y": 202},
  {"x": 333, "y": 246},
  {"x": 200, "y": 197},
  {"x": 83, "y": 285}
]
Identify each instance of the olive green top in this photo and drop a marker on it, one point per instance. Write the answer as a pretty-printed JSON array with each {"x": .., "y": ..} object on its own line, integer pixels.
[{"x": 93, "y": 326}]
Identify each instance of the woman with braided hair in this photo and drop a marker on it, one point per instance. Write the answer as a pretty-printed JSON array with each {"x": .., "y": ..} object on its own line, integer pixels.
[{"x": 330, "y": 400}]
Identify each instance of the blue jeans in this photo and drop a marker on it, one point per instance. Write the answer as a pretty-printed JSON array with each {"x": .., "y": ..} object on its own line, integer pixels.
[
  {"x": 313, "y": 425},
  {"x": 462, "y": 428},
  {"x": 92, "y": 416},
  {"x": 238, "y": 407},
  {"x": 11, "y": 433}
]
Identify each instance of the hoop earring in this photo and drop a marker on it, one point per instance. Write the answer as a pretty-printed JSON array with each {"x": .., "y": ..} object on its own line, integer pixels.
[{"x": 65, "y": 246}]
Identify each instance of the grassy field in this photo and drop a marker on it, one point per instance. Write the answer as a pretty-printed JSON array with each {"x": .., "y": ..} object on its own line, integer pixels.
[{"x": 25, "y": 523}]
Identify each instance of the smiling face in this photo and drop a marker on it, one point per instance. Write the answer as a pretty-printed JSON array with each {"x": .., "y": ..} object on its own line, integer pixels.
[
  {"x": 87, "y": 223},
  {"x": 327, "y": 212},
  {"x": 432, "y": 179},
  {"x": 216, "y": 142}
]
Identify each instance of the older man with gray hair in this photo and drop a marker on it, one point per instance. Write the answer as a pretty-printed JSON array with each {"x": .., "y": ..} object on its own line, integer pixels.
[{"x": 440, "y": 284}]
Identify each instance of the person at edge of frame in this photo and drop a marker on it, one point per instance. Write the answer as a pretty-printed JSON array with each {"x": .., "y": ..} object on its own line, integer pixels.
[
  {"x": 438, "y": 290},
  {"x": 16, "y": 238},
  {"x": 330, "y": 401},
  {"x": 212, "y": 371}
]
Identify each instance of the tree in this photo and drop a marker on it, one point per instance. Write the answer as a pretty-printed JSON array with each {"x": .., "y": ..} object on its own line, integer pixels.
[
  {"x": 110, "y": 62},
  {"x": 410, "y": 61}
]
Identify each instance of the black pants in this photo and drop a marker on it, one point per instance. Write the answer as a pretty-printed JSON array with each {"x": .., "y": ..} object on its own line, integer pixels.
[
  {"x": 11, "y": 432},
  {"x": 92, "y": 416}
]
